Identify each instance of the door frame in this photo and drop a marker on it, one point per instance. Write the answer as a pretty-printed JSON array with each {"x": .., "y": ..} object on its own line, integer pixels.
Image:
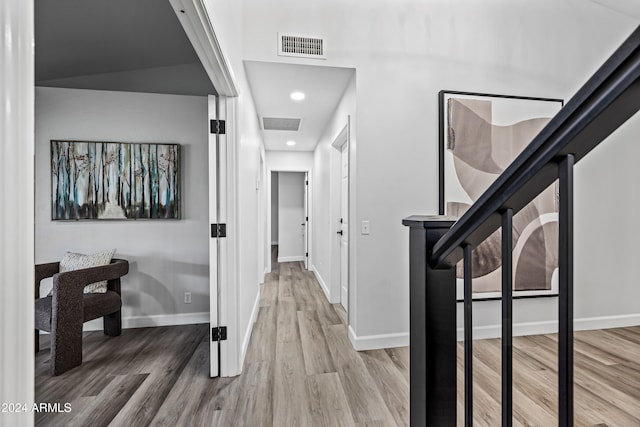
[
  {"x": 17, "y": 119},
  {"x": 17, "y": 371},
  {"x": 268, "y": 237},
  {"x": 343, "y": 137},
  {"x": 199, "y": 28}
]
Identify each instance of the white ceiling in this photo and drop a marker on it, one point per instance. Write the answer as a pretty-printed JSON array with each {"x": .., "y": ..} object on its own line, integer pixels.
[
  {"x": 271, "y": 85},
  {"x": 115, "y": 45}
]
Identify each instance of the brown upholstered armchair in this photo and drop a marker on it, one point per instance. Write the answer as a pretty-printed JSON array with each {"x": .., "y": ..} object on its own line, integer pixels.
[{"x": 68, "y": 307}]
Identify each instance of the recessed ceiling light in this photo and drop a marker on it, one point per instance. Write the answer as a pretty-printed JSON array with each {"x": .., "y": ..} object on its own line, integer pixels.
[
  {"x": 291, "y": 143},
  {"x": 297, "y": 96}
]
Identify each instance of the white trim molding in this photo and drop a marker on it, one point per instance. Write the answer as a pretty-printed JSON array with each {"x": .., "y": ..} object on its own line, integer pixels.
[
  {"x": 153, "y": 321},
  {"x": 291, "y": 258},
  {"x": 324, "y": 286},
  {"x": 551, "y": 326},
  {"x": 247, "y": 333},
  {"x": 375, "y": 342},
  {"x": 17, "y": 184},
  {"x": 197, "y": 25}
]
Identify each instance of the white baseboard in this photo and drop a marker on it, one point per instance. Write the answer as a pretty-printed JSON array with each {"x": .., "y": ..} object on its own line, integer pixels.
[
  {"x": 323, "y": 284},
  {"x": 375, "y": 342},
  {"x": 291, "y": 258},
  {"x": 152, "y": 321},
  {"x": 550, "y": 327},
  {"x": 247, "y": 334}
]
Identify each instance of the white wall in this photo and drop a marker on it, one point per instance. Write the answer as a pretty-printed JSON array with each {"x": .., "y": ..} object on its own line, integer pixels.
[
  {"x": 290, "y": 216},
  {"x": 250, "y": 247},
  {"x": 404, "y": 52},
  {"x": 274, "y": 208},
  {"x": 289, "y": 160},
  {"x": 166, "y": 257},
  {"x": 326, "y": 203}
]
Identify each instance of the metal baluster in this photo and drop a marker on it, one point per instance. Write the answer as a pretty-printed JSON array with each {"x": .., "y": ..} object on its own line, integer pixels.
[
  {"x": 507, "y": 318},
  {"x": 565, "y": 303},
  {"x": 468, "y": 338}
]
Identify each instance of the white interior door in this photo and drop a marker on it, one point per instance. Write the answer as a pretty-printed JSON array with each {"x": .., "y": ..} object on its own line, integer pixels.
[
  {"x": 344, "y": 226},
  {"x": 214, "y": 250},
  {"x": 306, "y": 220}
]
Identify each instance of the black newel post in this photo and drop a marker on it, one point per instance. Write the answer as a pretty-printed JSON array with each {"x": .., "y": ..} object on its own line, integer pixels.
[{"x": 432, "y": 296}]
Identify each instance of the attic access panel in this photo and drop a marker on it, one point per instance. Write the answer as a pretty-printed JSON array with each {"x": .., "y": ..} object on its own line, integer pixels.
[{"x": 281, "y": 123}]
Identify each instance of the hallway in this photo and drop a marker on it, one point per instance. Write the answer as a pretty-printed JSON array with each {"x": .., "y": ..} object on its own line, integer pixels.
[
  {"x": 303, "y": 369},
  {"x": 300, "y": 370}
]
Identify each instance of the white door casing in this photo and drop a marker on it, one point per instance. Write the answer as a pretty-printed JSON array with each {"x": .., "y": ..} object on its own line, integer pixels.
[
  {"x": 291, "y": 216},
  {"x": 17, "y": 148},
  {"x": 198, "y": 26},
  {"x": 344, "y": 226},
  {"x": 305, "y": 223},
  {"x": 214, "y": 156}
]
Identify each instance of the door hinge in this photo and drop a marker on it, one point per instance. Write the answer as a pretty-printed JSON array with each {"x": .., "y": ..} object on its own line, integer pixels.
[
  {"x": 306, "y": 218},
  {"x": 306, "y": 183},
  {"x": 218, "y": 230},
  {"x": 218, "y": 127},
  {"x": 219, "y": 333},
  {"x": 306, "y": 254}
]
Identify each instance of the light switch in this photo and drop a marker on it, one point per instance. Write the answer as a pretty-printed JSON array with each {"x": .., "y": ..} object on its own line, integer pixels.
[{"x": 365, "y": 228}]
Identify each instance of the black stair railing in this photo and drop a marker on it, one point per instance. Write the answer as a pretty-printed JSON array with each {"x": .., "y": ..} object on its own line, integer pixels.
[{"x": 438, "y": 243}]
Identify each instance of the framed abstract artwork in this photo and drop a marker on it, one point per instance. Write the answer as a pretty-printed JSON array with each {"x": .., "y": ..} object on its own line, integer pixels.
[
  {"x": 114, "y": 180},
  {"x": 480, "y": 135}
]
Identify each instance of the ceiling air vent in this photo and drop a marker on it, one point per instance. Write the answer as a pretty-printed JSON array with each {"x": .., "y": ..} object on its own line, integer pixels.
[
  {"x": 300, "y": 46},
  {"x": 279, "y": 123}
]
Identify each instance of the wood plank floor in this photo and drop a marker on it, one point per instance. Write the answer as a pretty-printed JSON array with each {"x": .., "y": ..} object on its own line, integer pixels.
[
  {"x": 606, "y": 379},
  {"x": 301, "y": 370}
]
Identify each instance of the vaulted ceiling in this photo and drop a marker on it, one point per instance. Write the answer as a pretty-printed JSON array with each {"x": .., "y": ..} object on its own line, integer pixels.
[{"x": 115, "y": 45}]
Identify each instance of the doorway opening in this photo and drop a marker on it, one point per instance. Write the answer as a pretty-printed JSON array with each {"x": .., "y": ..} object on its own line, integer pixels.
[
  {"x": 289, "y": 212},
  {"x": 164, "y": 102}
]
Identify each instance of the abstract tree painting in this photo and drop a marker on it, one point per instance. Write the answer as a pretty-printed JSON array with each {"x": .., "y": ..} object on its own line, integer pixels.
[
  {"x": 114, "y": 180},
  {"x": 481, "y": 135}
]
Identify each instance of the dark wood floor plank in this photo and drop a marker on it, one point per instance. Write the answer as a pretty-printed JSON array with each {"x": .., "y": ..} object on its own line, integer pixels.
[
  {"x": 108, "y": 404},
  {"x": 187, "y": 390},
  {"x": 164, "y": 371}
]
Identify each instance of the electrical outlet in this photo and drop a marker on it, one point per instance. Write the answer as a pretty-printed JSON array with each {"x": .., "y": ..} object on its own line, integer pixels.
[
  {"x": 365, "y": 227},
  {"x": 187, "y": 297}
]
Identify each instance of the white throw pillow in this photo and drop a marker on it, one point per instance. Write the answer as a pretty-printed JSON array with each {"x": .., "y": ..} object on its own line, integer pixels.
[{"x": 75, "y": 261}]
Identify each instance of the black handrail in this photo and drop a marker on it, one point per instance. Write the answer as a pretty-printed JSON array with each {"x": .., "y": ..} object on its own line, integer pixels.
[{"x": 604, "y": 103}]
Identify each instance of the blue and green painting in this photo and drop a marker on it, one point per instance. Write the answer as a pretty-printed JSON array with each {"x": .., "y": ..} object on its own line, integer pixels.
[{"x": 114, "y": 180}]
